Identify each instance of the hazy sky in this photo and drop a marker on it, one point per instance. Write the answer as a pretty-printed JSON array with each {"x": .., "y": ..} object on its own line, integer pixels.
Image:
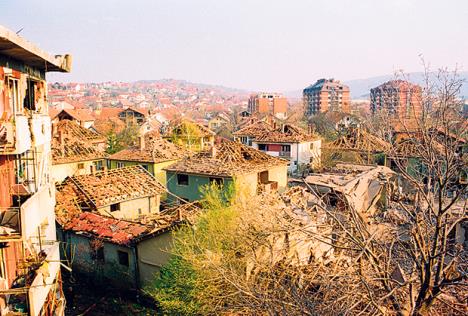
[{"x": 252, "y": 44}]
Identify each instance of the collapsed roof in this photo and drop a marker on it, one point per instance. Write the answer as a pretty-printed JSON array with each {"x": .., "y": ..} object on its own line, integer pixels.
[
  {"x": 361, "y": 185},
  {"x": 155, "y": 150},
  {"x": 108, "y": 187},
  {"x": 227, "y": 159},
  {"x": 73, "y": 143}
]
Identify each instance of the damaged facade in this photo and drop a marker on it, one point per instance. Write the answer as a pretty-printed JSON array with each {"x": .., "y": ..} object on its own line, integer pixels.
[
  {"x": 191, "y": 135},
  {"x": 302, "y": 149},
  {"x": 30, "y": 261},
  {"x": 252, "y": 171}
]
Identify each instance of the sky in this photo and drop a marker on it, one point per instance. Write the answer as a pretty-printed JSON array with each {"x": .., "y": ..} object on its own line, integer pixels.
[{"x": 265, "y": 45}]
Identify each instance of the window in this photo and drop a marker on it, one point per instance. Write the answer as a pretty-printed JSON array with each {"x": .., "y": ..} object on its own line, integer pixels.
[
  {"x": 286, "y": 148},
  {"x": 182, "y": 179},
  {"x": 311, "y": 146},
  {"x": 217, "y": 181},
  {"x": 123, "y": 257},
  {"x": 81, "y": 166},
  {"x": 115, "y": 207},
  {"x": 120, "y": 164},
  {"x": 14, "y": 96},
  {"x": 262, "y": 147},
  {"x": 100, "y": 254},
  {"x": 98, "y": 165},
  {"x": 145, "y": 166}
]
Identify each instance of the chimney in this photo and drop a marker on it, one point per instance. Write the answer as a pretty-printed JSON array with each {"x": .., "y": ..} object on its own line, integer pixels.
[
  {"x": 213, "y": 151},
  {"x": 142, "y": 142}
]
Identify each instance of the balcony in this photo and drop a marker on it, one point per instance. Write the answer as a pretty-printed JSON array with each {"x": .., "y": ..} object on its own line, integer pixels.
[
  {"x": 10, "y": 223},
  {"x": 285, "y": 154},
  {"x": 15, "y": 137}
]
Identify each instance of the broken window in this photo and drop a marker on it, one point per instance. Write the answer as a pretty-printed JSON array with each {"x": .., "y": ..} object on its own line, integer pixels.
[
  {"x": 115, "y": 207},
  {"x": 217, "y": 181},
  {"x": 13, "y": 92},
  {"x": 30, "y": 96},
  {"x": 182, "y": 179},
  {"x": 123, "y": 258}
]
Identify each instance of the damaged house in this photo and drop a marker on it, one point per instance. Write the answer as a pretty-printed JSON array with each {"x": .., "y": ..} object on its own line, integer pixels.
[
  {"x": 153, "y": 154},
  {"x": 125, "y": 193},
  {"x": 286, "y": 141},
  {"x": 127, "y": 254},
  {"x": 361, "y": 187},
  {"x": 225, "y": 164},
  {"x": 30, "y": 280},
  {"x": 76, "y": 150},
  {"x": 191, "y": 135}
]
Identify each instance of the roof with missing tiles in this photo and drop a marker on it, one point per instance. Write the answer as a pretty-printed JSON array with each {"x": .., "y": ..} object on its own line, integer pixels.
[
  {"x": 227, "y": 159},
  {"x": 155, "y": 150},
  {"x": 116, "y": 185},
  {"x": 74, "y": 143}
]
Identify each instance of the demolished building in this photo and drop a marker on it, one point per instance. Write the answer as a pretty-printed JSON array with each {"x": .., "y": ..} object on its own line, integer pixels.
[{"x": 30, "y": 261}]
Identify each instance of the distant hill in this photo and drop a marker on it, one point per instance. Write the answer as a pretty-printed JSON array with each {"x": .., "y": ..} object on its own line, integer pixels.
[
  {"x": 206, "y": 86},
  {"x": 360, "y": 88}
]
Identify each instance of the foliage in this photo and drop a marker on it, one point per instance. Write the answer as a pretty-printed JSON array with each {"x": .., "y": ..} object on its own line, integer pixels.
[{"x": 126, "y": 138}]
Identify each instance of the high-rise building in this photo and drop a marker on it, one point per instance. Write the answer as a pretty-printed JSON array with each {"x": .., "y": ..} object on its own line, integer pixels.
[
  {"x": 326, "y": 95},
  {"x": 272, "y": 103},
  {"x": 400, "y": 98},
  {"x": 29, "y": 251}
]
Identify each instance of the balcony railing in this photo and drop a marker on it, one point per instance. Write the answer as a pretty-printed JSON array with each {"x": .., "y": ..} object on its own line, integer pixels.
[
  {"x": 285, "y": 154},
  {"x": 10, "y": 223}
]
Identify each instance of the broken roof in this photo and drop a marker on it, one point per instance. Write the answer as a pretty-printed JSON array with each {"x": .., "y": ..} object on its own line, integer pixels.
[
  {"x": 125, "y": 232},
  {"x": 254, "y": 129},
  {"x": 286, "y": 133},
  {"x": 359, "y": 184},
  {"x": 117, "y": 185},
  {"x": 177, "y": 126},
  {"x": 227, "y": 159},
  {"x": 73, "y": 143},
  {"x": 156, "y": 150},
  {"x": 357, "y": 139},
  {"x": 11, "y": 44},
  {"x": 106, "y": 228}
]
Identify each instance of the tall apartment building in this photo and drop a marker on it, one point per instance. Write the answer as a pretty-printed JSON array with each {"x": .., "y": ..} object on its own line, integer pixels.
[
  {"x": 400, "y": 98},
  {"x": 272, "y": 103},
  {"x": 30, "y": 281},
  {"x": 326, "y": 95}
]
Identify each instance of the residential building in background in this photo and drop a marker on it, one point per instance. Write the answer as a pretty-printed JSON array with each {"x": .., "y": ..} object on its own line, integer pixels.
[
  {"x": 326, "y": 95},
  {"x": 30, "y": 280},
  {"x": 268, "y": 103},
  {"x": 402, "y": 100}
]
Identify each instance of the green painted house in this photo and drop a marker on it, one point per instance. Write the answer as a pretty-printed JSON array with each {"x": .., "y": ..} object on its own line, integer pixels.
[
  {"x": 228, "y": 162},
  {"x": 154, "y": 154}
]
